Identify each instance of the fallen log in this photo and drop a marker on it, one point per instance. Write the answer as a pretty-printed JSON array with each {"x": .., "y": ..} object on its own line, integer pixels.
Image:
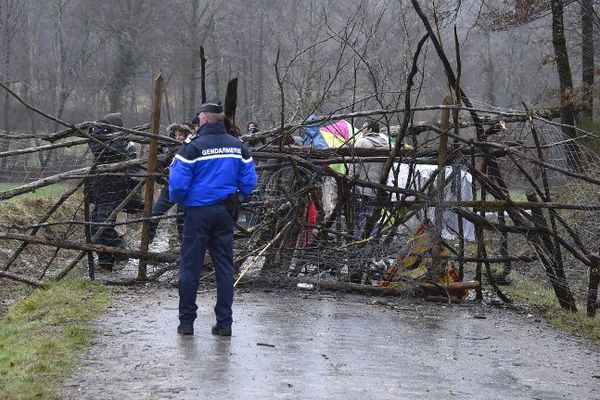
[
  {"x": 404, "y": 288},
  {"x": 65, "y": 244},
  {"x": 22, "y": 279},
  {"x": 493, "y": 260},
  {"x": 36, "y": 149},
  {"x": 29, "y": 187}
]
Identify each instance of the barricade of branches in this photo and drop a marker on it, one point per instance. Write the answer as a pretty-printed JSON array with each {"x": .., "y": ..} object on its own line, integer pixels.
[
  {"x": 432, "y": 210},
  {"x": 305, "y": 220}
]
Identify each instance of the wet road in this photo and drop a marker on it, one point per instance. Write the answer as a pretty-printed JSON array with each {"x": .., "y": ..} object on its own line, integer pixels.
[{"x": 305, "y": 345}]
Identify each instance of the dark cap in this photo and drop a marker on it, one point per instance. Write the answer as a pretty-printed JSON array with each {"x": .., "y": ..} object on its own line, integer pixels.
[
  {"x": 212, "y": 106},
  {"x": 112, "y": 119}
]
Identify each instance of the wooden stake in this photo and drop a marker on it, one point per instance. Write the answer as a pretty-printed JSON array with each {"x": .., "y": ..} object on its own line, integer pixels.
[
  {"x": 88, "y": 230},
  {"x": 231, "y": 105},
  {"x": 444, "y": 126},
  {"x": 202, "y": 75},
  {"x": 149, "y": 193},
  {"x": 438, "y": 267},
  {"x": 594, "y": 280},
  {"x": 479, "y": 232}
]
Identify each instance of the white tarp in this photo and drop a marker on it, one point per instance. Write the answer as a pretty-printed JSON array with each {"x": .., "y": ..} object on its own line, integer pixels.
[{"x": 420, "y": 176}]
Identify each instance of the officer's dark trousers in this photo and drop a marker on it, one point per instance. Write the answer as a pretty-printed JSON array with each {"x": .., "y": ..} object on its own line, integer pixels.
[{"x": 206, "y": 228}]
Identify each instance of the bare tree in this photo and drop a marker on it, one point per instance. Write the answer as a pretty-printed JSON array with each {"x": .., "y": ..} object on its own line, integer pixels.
[
  {"x": 103, "y": 54},
  {"x": 30, "y": 88},
  {"x": 567, "y": 109},
  {"x": 10, "y": 20},
  {"x": 129, "y": 22},
  {"x": 71, "y": 54},
  {"x": 587, "y": 59}
]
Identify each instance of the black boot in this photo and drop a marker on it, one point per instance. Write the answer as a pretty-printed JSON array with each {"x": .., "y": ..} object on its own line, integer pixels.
[
  {"x": 106, "y": 262},
  {"x": 185, "y": 330},
  {"x": 221, "y": 330}
]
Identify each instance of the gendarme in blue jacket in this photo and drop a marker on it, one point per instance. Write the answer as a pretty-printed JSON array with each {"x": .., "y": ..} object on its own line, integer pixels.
[{"x": 212, "y": 166}]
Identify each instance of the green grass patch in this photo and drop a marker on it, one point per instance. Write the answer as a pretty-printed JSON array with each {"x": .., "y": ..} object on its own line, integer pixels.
[
  {"x": 592, "y": 143},
  {"x": 515, "y": 195},
  {"x": 43, "y": 336},
  {"x": 54, "y": 190},
  {"x": 542, "y": 297},
  {"x": 28, "y": 208}
]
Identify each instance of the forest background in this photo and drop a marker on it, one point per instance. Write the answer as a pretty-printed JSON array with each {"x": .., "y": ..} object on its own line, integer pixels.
[{"x": 80, "y": 59}]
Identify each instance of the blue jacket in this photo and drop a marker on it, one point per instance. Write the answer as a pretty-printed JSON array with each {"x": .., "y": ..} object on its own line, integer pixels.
[
  {"x": 312, "y": 136},
  {"x": 210, "y": 167}
]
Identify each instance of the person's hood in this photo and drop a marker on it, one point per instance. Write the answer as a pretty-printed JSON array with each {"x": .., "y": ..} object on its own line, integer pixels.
[
  {"x": 376, "y": 139},
  {"x": 115, "y": 118},
  {"x": 311, "y": 129}
]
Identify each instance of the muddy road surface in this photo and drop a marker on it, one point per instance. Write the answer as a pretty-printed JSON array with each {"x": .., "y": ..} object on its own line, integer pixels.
[{"x": 306, "y": 345}]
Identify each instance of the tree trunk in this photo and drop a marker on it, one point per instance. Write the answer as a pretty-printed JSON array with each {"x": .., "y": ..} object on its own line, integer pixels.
[
  {"x": 195, "y": 54},
  {"x": 260, "y": 79},
  {"x": 567, "y": 111},
  {"x": 217, "y": 68},
  {"x": 31, "y": 87},
  {"x": 7, "y": 54},
  {"x": 490, "y": 72},
  {"x": 126, "y": 57},
  {"x": 192, "y": 106},
  {"x": 231, "y": 105},
  {"x": 587, "y": 60},
  {"x": 245, "y": 71},
  {"x": 554, "y": 268},
  {"x": 123, "y": 70}
]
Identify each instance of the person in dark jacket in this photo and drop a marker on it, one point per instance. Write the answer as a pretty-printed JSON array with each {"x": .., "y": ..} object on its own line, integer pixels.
[
  {"x": 108, "y": 191},
  {"x": 178, "y": 132},
  {"x": 207, "y": 175}
]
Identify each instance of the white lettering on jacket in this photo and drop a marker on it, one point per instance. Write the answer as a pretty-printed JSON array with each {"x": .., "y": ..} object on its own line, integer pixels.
[{"x": 222, "y": 150}]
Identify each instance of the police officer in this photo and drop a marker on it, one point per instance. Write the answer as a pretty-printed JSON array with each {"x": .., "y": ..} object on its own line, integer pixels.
[{"x": 209, "y": 170}]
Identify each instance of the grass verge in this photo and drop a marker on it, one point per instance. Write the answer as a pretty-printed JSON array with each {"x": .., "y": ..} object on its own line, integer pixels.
[
  {"x": 542, "y": 297},
  {"x": 44, "y": 192},
  {"x": 43, "y": 336}
]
